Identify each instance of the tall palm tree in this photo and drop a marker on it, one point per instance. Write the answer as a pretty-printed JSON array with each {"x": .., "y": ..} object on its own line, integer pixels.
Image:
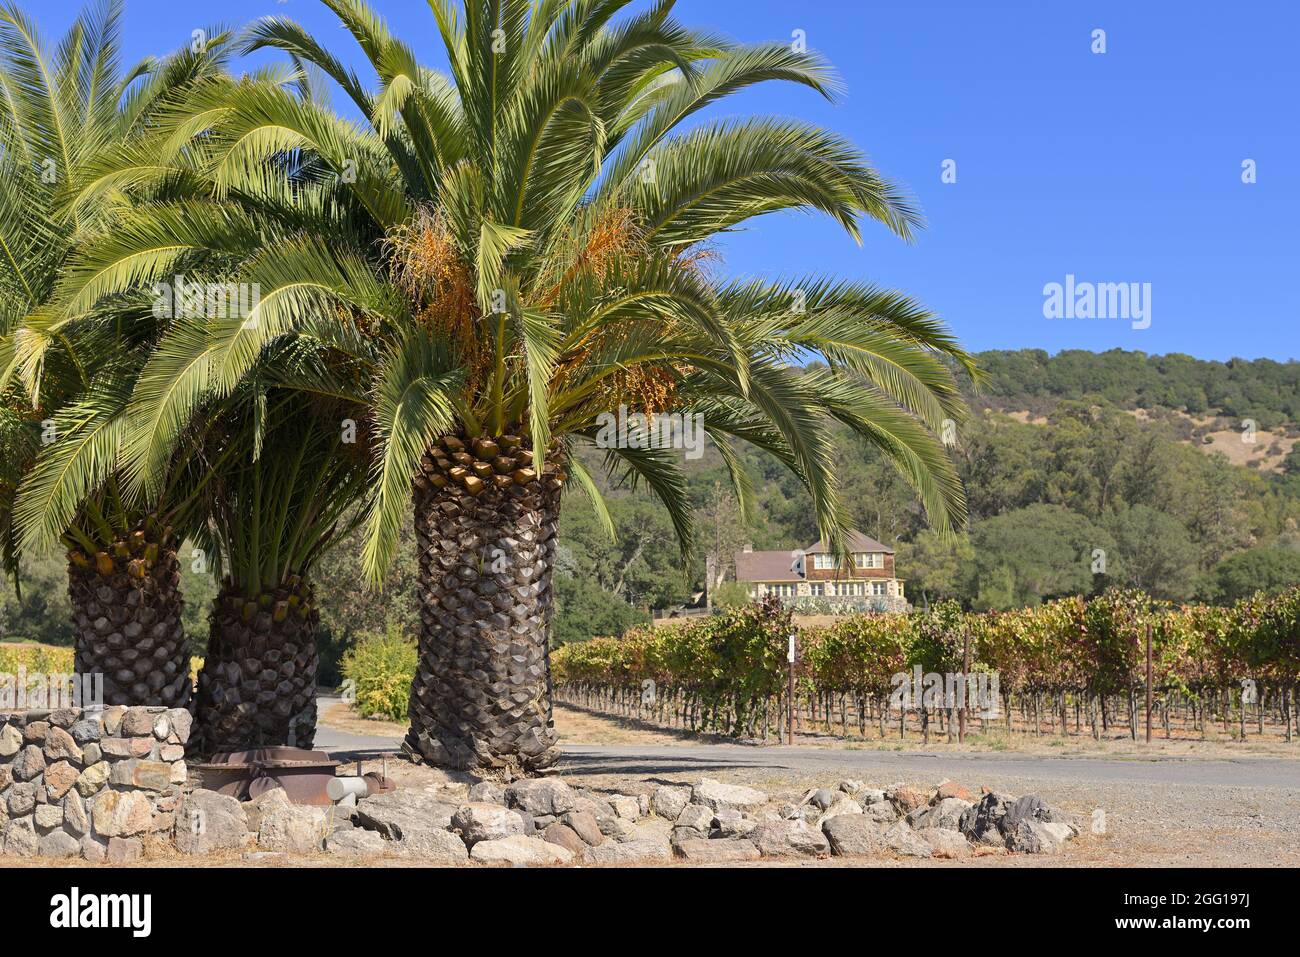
[
  {"x": 276, "y": 506},
  {"x": 500, "y": 255},
  {"x": 59, "y": 111}
]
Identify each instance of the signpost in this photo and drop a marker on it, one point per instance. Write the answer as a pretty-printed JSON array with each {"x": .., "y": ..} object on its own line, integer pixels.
[
  {"x": 789, "y": 718},
  {"x": 1150, "y": 690}
]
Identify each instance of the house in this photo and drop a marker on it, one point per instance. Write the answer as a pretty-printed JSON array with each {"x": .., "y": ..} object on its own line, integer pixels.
[{"x": 813, "y": 574}]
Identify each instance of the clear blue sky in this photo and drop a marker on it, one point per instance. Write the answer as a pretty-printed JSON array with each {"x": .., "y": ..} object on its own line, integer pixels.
[{"x": 1121, "y": 167}]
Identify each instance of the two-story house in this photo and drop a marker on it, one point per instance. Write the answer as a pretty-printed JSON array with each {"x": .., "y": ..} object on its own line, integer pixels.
[{"x": 813, "y": 573}]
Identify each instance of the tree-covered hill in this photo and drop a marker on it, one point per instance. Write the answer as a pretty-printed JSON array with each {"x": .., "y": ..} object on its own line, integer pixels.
[{"x": 1081, "y": 472}]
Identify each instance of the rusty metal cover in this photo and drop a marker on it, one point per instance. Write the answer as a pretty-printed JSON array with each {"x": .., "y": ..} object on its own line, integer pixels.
[{"x": 246, "y": 774}]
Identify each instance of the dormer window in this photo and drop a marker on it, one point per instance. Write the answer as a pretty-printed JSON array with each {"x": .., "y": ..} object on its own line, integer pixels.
[
  {"x": 869, "y": 560},
  {"x": 823, "y": 561}
]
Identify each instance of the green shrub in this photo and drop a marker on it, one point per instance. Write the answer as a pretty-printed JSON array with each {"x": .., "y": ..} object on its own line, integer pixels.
[{"x": 382, "y": 668}]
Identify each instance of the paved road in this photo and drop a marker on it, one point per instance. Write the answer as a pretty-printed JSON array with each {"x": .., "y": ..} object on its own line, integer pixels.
[
  {"x": 881, "y": 765},
  {"x": 620, "y": 759}
]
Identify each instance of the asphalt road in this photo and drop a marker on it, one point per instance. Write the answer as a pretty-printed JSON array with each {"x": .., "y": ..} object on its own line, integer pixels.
[{"x": 882, "y": 765}]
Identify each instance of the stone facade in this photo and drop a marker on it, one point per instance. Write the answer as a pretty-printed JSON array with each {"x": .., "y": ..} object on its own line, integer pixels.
[{"x": 102, "y": 784}]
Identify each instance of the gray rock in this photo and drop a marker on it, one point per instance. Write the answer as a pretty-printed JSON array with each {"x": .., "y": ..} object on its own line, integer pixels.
[
  {"x": 714, "y": 852},
  {"x": 58, "y": 844},
  {"x": 669, "y": 801},
  {"x": 399, "y": 814},
  {"x": 292, "y": 828},
  {"x": 520, "y": 851},
  {"x": 254, "y": 809},
  {"x": 20, "y": 838},
  {"x": 981, "y": 822},
  {"x": 487, "y": 792},
  {"x": 628, "y": 808},
  {"x": 620, "y": 829},
  {"x": 653, "y": 829},
  {"x": 822, "y": 797},
  {"x": 842, "y": 805},
  {"x": 75, "y": 819},
  {"x": 541, "y": 796},
  {"x": 207, "y": 821},
  {"x": 22, "y": 799},
  {"x": 946, "y": 843},
  {"x": 870, "y": 796},
  {"x": 680, "y": 835},
  {"x": 902, "y": 840},
  {"x": 29, "y": 764},
  {"x": 633, "y": 852},
  {"x": 432, "y": 845},
  {"x": 717, "y": 795},
  {"x": 486, "y": 822},
  {"x": 355, "y": 842},
  {"x": 789, "y": 839},
  {"x": 854, "y": 835},
  {"x": 48, "y": 817},
  {"x": 946, "y": 814},
  {"x": 1031, "y": 836},
  {"x": 1028, "y": 808},
  {"x": 86, "y": 731},
  {"x": 696, "y": 816},
  {"x": 731, "y": 823}
]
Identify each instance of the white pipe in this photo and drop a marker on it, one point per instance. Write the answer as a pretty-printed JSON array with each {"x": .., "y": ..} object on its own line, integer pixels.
[{"x": 339, "y": 788}]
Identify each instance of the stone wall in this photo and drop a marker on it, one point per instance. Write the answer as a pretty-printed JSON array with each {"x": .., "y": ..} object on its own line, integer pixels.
[{"x": 95, "y": 784}]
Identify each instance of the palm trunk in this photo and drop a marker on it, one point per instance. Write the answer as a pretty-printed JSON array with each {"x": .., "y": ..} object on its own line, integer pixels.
[
  {"x": 257, "y": 688},
  {"x": 485, "y": 527},
  {"x": 126, "y": 615}
]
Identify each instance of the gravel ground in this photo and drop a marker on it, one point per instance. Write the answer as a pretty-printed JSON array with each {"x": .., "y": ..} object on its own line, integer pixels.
[{"x": 1180, "y": 804}]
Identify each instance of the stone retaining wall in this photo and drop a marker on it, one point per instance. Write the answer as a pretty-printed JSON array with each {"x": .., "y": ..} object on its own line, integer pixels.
[{"x": 95, "y": 784}]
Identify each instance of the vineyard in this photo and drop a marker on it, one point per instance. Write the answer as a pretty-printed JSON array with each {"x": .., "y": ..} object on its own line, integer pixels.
[{"x": 1069, "y": 667}]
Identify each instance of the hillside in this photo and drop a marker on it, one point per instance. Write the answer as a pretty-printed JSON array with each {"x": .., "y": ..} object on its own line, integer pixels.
[{"x": 1139, "y": 456}]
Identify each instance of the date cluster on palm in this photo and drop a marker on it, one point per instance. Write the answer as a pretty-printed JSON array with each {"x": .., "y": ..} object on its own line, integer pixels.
[
  {"x": 257, "y": 686},
  {"x": 126, "y": 613},
  {"x": 485, "y": 523}
]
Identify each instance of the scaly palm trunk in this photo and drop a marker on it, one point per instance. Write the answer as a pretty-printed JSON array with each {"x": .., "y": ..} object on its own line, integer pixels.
[
  {"x": 257, "y": 687},
  {"x": 126, "y": 614},
  {"x": 485, "y": 526}
]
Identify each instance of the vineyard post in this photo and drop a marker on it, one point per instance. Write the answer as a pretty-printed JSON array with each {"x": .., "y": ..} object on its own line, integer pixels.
[
  {"x": 965, "y": 688},
  {"x": 789, "y": 724},
  {"x": 1150, "y": 689}
]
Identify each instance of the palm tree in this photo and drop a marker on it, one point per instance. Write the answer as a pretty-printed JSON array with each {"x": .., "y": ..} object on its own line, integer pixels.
[
  {"x": 276, "y": 506},
  {"x": 499, "y": 256},
  {"x": 59, "y": 111}
]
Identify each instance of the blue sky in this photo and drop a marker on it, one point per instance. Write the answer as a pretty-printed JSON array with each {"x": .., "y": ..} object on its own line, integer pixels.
[{"x": 1117, "y": 167}]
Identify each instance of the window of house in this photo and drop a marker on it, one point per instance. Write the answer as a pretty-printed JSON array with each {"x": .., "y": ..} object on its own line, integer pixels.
[
  {"x": 816, "y": 591},
  {"x": 879, "y": 589},
  {"x": 869, "y": 560},
  {"x": 823, "y": 561}
]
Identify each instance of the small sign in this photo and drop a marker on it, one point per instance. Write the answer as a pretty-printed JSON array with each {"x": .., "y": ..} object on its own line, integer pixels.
[{"x": 789, "y": 655}]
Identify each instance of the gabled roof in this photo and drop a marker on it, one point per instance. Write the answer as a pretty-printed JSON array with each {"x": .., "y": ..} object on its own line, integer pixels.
[
  {"x": 778, "y": 566},
  {"x": 766, "y": 567},
  {"x": 857, "y": 543}
]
